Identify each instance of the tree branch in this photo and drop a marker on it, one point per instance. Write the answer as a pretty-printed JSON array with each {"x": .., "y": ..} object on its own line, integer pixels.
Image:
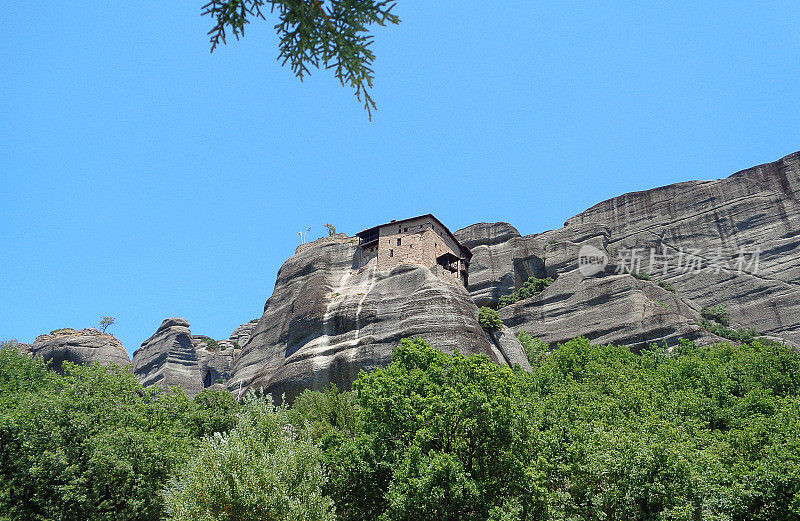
[{"x": 325, "y": 14}]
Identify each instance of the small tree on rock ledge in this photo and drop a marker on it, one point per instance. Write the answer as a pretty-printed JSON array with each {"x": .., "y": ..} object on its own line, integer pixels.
[
  {"x": 331, "y": 229},
  {"x": 107, "y": 321},
  {"x": 489, "y": 319}
]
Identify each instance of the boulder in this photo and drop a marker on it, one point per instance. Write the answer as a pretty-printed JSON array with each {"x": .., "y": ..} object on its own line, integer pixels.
[{"x": 83, "y": 347}]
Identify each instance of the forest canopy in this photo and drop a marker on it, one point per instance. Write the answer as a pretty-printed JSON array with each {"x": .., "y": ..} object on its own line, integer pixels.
[{"x": 593, "y": 432}]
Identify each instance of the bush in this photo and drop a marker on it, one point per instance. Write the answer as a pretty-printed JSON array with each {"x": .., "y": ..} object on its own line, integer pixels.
[
  {"x": 212, "y": 344},
  {"x": 534, "y": 347},
  {"x": 718, "y": 314},
  {"x": 213, "y": 411},
  {"x": 666, "y": 285},
  {"x": 323, "y": 413},
  {"x": 641, "y": 275},
  {"x": 743, "y": 335},
  {"x": 530, "y": 288},
  {"x": 489, "y": 319}
]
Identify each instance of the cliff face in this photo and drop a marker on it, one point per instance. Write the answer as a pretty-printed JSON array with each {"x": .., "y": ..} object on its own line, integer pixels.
[
  {"x": 83, "y": 347},
  {"x": 173, "y": 356},
  {"x": 328, "y": 319},
  {"x": 241, "y": 335},
  {"x": 501, "y": 260},
  {"x": 732, "y": 242}
]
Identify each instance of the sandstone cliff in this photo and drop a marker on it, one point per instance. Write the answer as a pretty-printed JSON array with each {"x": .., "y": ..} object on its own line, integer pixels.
[
  {"x": 329, "y": 319},
  {"x": 173, "y": 356},
  {"x": 720, "y": 227},
  {"x": 169, "y": 358},
  {"x": 668, "y": 252},
  {"x": 241, "y": 335}
]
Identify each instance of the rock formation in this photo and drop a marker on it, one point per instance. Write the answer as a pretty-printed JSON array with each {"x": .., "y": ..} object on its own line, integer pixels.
[
  {"x": 328, "y": 319},
  {"x": 173, "y": 356},
  {"x": 215, "y": 359},
  {"x": 743, "y": 233},
  {"x": 169, "y": 358},
  {"x": 666, "y": 253},
  {"x": 241, "y": 335},
  {"x": 495, "y": 248},
  {"x": 86, "y": 346}
]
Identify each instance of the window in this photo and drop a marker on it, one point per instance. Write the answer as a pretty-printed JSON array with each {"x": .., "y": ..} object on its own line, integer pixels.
[
  {"x": 405, "y": 230},
  {"x": 435, "y": 245},
  {"x": 391, "y": 253},
  {"x": 399, "y": 229},
  {"x": 399, "y": 241}
]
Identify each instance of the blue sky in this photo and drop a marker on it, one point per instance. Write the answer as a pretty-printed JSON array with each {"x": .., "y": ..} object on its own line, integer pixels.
[{"x": 143, "y": 177}]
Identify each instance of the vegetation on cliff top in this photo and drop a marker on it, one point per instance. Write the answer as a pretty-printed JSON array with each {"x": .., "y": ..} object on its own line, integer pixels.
[{"x": 593, "y": 432}]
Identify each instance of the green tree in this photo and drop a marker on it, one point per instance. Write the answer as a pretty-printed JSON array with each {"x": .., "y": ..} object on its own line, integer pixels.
[
  {"x": 331, "y": 229},
  {"x": 212, "y": 412},
  {"x": 534, "y": 347},
  {"x": 718, "y": 314},
  {"x": 91, "y": 444},
  {"x": 530, "y": 288},
  {"x": 324, "y": 413},
  {"x": 489, "y": 319},
  {"x": 440, "y": 439},
  {"x": 261, "y": 470},
  {"x": 107, "y": 321},
  {"x": 333, "y": 34}
]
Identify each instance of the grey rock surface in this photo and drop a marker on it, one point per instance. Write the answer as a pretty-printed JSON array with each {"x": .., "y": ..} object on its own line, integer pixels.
[
  {"x": 241, "y": 335},
  {"x": 169, "y": 358},
  {"x": 327, "y": 320},
  {"x": 718, "y": 226},
  {"x": 755, "y": 212},
  {"x": 215, "y": 359},
  {"x": 618, "y": 309},
  {"x": 509, "y": 346},
  {"x": 495, "y": 247},
  {"x": 84, "y": 347},
  {"x": 337, "y": 238}
]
